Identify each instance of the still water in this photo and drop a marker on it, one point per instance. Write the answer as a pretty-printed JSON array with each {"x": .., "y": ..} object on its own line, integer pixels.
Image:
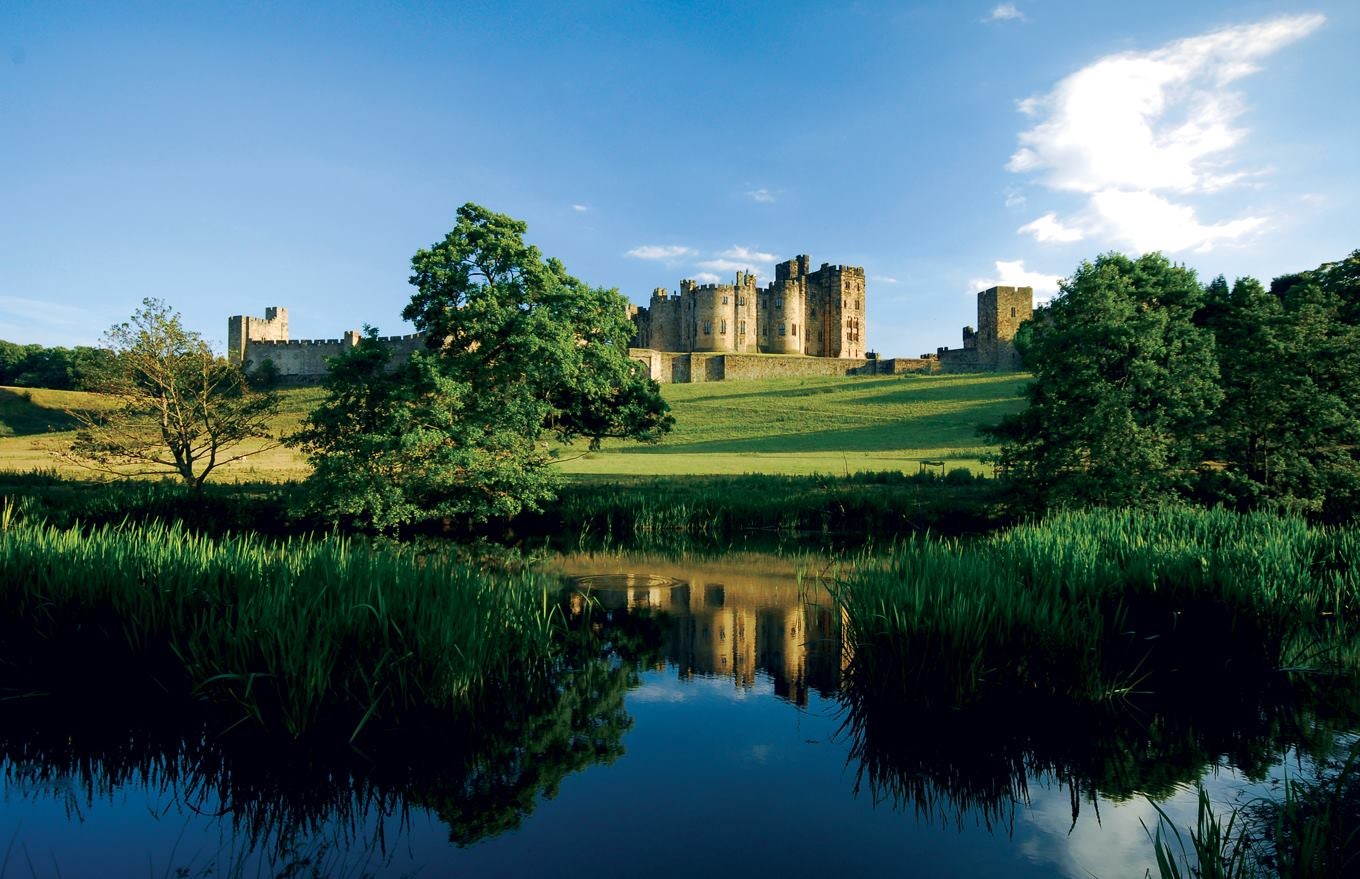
[{"x": 706, "y": 739}]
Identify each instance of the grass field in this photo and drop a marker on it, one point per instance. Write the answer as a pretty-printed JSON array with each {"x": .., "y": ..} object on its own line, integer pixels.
[{"x": 784, "y": 426}]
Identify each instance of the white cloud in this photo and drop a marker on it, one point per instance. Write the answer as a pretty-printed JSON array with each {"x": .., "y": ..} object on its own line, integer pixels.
[
  {"x": 740, "y": 259},
  {"x": 1014, "y": 197},
  {"x": 743, "y": 253},
  {"x": 1005, "y": 12},
  {"x": 706, "y": 277},
  {"x": 1147, "y": 221},
  {"x": 883, "y": 279},
  {"x": 668, "y": 252},
  {"x": 1049, "y": 229},
  {"x": 580, "y": 208},
  {"x": 1151, "y": 120},
  {"x": 761, "y": 195},
  {"x": 1014, "y": 274},
  {"x": 1134, "y": 124}
]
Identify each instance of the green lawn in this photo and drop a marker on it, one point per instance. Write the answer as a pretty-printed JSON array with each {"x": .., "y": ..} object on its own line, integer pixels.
[
  {"x": 791, "y": 426},
  {"x": 812, "y": 425}
]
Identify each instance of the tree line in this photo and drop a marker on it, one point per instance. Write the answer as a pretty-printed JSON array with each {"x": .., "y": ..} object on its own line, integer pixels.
[
  {"x": 63, "y": 369},
  {"x": 522, "y": 358},
  {"x": 1150, "y": 387}
]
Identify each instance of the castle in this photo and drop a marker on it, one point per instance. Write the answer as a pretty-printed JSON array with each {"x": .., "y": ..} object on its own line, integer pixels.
[
  {"x": 251, "y": 341},
  {"x": 816, "y": 313},
  {"x": 712, "y": 332},
  {"x": 991, "y": 347}
]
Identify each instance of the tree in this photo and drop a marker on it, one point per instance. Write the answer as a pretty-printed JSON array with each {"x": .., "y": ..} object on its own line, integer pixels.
[
  {"x": 519, "y": 353},
  {"x": 174, "y": 406},
  {"x": 1288, "y": 431},
  {"x": 1124, "y": 385}
]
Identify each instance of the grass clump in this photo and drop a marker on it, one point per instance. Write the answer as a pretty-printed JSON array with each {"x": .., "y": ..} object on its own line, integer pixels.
[
  {"x": 298, "y": 636},
  {"x": 1095, "y": 605}
]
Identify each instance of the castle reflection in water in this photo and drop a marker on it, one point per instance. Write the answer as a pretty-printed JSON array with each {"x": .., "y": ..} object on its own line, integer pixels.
[{"x": 725, "y": 621}]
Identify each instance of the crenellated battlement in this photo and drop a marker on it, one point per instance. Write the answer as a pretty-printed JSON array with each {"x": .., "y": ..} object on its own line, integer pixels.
[
  {"x": 251, "y": 341},
  {"x": 817, "y": 313}
]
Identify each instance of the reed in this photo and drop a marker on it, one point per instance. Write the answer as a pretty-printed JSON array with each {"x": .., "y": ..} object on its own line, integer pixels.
[
  {"x": 297, "y": 635},
  {"x": 1100, "y": 604}
]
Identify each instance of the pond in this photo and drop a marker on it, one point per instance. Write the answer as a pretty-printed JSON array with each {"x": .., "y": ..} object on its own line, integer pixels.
[{"x": 704, "y": 734}]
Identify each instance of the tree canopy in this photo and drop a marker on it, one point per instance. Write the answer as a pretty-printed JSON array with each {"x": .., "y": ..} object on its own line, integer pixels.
[
  {"x": 62, "y": 369},
  {"x": 1149, "y": 387},
  {"x": 1124, "y": 384},
  {"x": 520, "y": 354}
]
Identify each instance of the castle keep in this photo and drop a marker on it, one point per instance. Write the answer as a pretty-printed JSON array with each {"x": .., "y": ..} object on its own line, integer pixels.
[{"x": 815, "y": 313}]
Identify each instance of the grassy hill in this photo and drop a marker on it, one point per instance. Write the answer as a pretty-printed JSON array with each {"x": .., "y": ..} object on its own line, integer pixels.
[{"x": 801, "y": 425}]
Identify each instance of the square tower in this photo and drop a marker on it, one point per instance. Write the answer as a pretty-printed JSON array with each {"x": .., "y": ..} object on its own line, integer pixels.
[{"x": 1001, "y": 311}]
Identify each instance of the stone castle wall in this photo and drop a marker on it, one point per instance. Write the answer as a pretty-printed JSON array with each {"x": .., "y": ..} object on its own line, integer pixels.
[
  {"x": 252, "y": 340},
  {"x": 991, "y": 347},
  {"x": 669, "y": 367}
]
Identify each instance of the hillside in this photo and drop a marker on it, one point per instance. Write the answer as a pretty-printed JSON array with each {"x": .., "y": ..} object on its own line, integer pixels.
[{"x": 803, "y": 425}]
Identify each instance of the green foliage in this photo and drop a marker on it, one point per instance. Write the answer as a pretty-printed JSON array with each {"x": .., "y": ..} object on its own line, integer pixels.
[
  {"x": 1124, "y": 385},
  {"x": 519, "y": 351},
  {"x": 1091, "y": 605},
  {"x": 63, "y": 369},
  {"x": 1288, "y": 432},
  {"x": 392, "y": 446},
  {"x": 177, "y": 408},
  {"x": 296, "y": 636}
]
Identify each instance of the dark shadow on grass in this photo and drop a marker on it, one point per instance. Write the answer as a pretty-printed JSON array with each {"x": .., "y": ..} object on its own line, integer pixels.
[{"x": 20, "y": 416}]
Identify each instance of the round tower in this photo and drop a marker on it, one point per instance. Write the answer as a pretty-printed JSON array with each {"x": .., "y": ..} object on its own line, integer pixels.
[{"x": 713, "y": 318}]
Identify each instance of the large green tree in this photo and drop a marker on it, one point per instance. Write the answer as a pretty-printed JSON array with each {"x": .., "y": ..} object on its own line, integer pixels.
[
  {"x": 1288, "y": 431},
  {"x": 1124, "y": 386},
  {"x": 520, "y": 356}
]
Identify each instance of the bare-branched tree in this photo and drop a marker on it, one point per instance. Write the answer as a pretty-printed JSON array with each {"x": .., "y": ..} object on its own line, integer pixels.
[{"x": 173, "y": 406}]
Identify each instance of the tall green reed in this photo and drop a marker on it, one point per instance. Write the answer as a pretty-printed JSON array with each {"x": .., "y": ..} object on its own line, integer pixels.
[
  {"x": 1099, "y": 604},
  {"x": 298, "y": 634}
]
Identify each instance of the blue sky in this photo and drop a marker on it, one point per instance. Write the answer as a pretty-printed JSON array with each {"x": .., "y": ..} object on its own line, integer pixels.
[{"x": 226, "y": 157}]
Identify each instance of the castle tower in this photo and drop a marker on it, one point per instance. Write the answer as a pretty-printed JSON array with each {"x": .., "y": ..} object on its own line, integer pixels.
[
  {"x": 243, "y": 329},
  {"x": 835, "y": 312},
  {"x": 1001, "y": 311},
  {"x": 783, "y": 321}
]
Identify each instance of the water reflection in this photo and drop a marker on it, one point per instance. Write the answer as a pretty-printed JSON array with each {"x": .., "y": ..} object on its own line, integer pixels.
[
  {"x": 662, "y": 697},
  {"x": 727, "y": 620}
]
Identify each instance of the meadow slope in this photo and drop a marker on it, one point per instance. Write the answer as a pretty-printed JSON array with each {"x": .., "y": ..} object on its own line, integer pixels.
[{"x": 789, "y": 426}]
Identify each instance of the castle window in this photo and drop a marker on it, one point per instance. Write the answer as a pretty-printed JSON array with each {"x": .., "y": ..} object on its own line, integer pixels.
[
  {"x": 742, "y": 328},
  {"x": 724, "y": 300},
  {"x": 708, "y": 328},
  {"x": 1012, "y": 311},
  {"x": 741, "y": 300},
  {"x": 794, "y": 331},
  {"x": 722, "y": 331},
  {"x": 859, "y": 303},
  {"x": 779, "y": 303},
  {"x": 781, "y": 329}
]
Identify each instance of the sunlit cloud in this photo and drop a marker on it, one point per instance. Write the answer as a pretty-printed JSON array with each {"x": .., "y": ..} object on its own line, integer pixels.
[
  {"x": 1132, "y": 130},
  {"x": 1005, "y": 12},
  {"x": 1012, "y": 273},
  {"x": 1049, "y": 228},
  {"x": 663, "y": 252}
]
